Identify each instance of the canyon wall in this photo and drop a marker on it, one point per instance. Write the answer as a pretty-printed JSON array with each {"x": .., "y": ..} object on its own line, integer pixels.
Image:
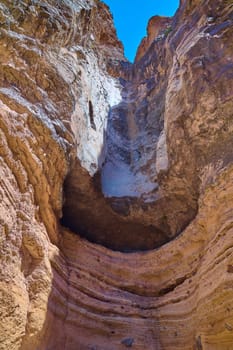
[{"x": 116, "y": 187}]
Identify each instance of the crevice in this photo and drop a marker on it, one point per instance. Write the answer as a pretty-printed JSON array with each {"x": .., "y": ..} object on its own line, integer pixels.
[
  {"x": 172, "y": 286},
  {"x": 91, "y": 115}
]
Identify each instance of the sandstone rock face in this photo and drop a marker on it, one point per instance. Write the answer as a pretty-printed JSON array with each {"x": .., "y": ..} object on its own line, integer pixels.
[
  {"x": 131, "y": 156},
  {"x": 158, "y": 28}
]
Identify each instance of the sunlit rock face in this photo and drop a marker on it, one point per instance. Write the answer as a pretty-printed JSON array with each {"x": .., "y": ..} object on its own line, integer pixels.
[{"x": 102, "y": 161}]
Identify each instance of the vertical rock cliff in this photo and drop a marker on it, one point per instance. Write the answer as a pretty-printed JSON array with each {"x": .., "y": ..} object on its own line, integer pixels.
[{"x": 116, "y": 206}]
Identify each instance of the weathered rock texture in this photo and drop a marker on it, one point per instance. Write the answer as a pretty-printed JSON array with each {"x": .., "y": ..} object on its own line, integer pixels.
[{"x": 134, "y": 157}]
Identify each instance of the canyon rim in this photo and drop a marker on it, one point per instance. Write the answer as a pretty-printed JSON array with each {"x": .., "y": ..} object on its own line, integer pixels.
[{"x": 116, "y": 179}]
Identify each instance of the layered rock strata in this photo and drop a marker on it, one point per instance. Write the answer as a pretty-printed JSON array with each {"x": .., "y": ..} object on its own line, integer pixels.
[{"x": 133, "y": 157}]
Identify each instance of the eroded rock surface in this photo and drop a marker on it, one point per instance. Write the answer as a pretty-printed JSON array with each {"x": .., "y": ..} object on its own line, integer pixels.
[{"x": 128, "y": 156}]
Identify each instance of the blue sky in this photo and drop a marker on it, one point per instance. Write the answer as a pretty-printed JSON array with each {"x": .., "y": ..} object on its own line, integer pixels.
[{"x": 131, "y": 18}]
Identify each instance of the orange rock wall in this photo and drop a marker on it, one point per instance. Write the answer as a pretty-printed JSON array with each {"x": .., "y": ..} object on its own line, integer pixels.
[{"x": 60, "y": 291}]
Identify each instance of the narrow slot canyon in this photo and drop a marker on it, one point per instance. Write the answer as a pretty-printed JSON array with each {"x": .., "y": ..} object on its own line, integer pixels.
[
  {"x": 116, "y": 179},
  {"x": 122, "y": 206}
]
